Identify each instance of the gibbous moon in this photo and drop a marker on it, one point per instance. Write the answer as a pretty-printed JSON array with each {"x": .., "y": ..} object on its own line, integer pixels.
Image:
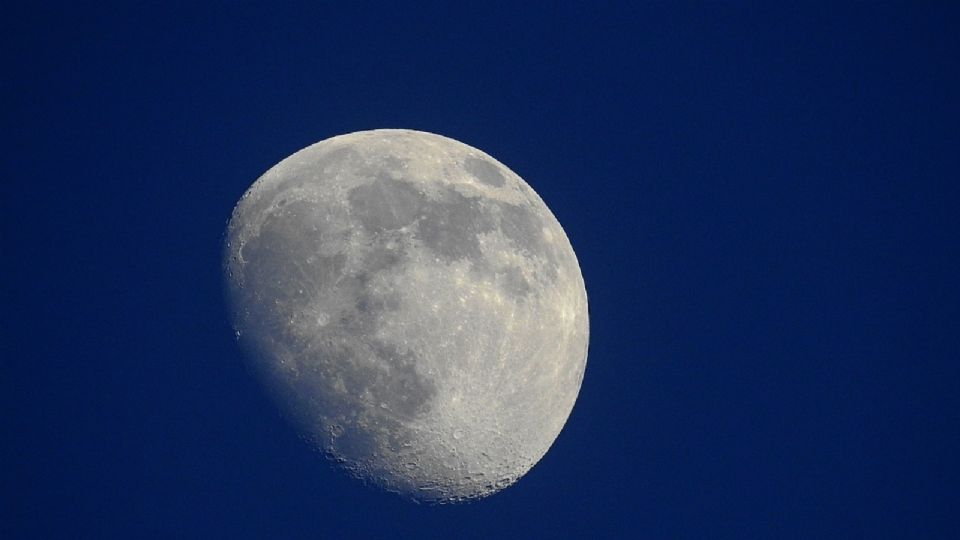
[{"x": 414, "y": 306}]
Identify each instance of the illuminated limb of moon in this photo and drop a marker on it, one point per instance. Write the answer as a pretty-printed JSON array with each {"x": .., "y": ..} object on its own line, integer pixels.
[{"x": 414, "y": 306}]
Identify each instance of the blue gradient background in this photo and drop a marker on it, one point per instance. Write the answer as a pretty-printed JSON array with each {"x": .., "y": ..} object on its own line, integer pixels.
[{"x": 763, "y": 199}]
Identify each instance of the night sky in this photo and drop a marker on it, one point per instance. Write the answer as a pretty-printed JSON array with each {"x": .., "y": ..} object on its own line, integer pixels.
[{"x": 763, "y": 200}]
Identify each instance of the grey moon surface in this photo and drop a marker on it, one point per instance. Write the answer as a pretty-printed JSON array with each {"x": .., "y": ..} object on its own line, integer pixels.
[{"x": 413, "y": 306}]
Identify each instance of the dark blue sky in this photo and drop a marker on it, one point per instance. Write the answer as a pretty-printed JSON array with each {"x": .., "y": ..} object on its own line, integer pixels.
[{"x": 763, "y": 199}]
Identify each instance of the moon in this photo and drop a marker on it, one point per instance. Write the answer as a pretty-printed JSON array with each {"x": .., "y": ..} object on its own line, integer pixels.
[{"x": 413, "y": 306}]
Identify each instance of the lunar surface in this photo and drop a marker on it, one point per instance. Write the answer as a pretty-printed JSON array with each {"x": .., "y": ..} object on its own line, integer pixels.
[{"x": 414, "y": 306}]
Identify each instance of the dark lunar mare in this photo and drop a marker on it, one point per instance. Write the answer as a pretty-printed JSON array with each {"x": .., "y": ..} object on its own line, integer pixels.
[
  {"x": 484, "y": 171},
  {"x": 450, "y": 227}
]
